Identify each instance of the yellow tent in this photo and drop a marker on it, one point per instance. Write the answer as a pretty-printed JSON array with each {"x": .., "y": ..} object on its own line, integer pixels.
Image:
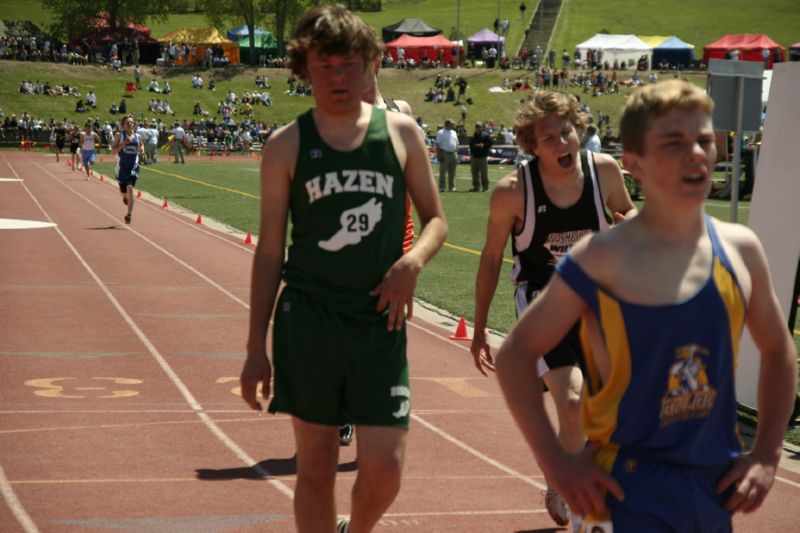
[
  {"x": 652, "y": 40},
  {"x": 202, "y": 38}
]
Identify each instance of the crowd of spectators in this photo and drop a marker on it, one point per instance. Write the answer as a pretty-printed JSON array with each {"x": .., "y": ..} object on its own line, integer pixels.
[{"x": 37, "y": 87}]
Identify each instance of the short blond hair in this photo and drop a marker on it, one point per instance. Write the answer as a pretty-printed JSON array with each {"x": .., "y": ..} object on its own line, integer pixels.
[
  {"x": 656, "y": 100},
  {"x": 541, "y": 106},
  {"x": 334, "y": 30}
]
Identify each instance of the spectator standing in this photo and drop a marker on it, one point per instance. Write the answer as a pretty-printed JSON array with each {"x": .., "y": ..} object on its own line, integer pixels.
[
  {"x": 522, "y": 9},
  {"x": 592, "y": 139},
  {"x": 479, "y": 145},
  {"x": 447, "y": 144},
  {"x": 137, "y": 77},
  {"x": 178, "y": 134}
]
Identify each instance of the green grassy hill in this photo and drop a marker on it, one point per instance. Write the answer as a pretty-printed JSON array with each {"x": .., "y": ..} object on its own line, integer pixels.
[
  {"x": 697, "y": 23},
  {"x": 109, "y": 86}
]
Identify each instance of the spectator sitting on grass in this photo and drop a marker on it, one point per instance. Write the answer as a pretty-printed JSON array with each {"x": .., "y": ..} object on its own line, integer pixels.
[
  {"x": 80, "y": 108},
  {"x": 91, "y": 99},
  {"x": 153, "y": 88},
  {"x": 212, "y": 85},
  {"x": 114, "y": 109},
  {"x": 197, "y": 82},
  {"x": 166, "y": 89}
]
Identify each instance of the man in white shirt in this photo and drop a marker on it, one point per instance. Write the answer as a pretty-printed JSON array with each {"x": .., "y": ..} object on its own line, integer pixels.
[
  {"x": 447, "y": 143},
  {"x": 592, "y": 139},
  {"x": 144, "y": 135},
  {"x": 178, "y": 134},
  {"x": 151, "y": 149}
]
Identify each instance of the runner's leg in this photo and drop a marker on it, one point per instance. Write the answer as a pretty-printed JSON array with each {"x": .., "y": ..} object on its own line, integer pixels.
[
  {"x": 381, "y": 452},
  {"x": 317, "y": 461}
]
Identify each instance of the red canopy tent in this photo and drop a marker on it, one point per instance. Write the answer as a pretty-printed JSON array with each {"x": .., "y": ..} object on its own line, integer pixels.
[
  {"x": 424, "y": 47},
  {"x": 749, "y": 45}
]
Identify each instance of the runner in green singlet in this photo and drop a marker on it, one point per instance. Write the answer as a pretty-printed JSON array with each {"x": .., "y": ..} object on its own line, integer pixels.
[{"x": 341, "y": 171}]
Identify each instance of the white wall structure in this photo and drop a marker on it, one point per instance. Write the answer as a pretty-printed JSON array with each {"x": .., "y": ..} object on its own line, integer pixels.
[{"x": 774, "y": 214}]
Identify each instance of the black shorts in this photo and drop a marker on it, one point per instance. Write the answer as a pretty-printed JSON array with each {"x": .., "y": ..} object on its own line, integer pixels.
[
  {"x": 123, "y": 184},
  {"x": 60, "y": 145},
  {"x": 568, "y": 352},
  {"x": 73, "y": 148}
]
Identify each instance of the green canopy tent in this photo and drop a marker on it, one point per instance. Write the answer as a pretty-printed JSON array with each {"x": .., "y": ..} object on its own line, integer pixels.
[{"x": 265, "y": 45}]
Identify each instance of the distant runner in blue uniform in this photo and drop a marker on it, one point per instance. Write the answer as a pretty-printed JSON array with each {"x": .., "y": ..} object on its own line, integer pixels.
[{"x": 129, "y": 149}]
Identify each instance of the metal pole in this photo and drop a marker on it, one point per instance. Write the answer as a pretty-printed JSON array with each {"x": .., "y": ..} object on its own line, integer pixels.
[
  {"x": 737, "y": 148},
  {"x": 458, "y": 19}
]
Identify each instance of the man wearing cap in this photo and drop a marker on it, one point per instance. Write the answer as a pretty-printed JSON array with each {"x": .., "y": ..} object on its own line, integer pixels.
[
  {"x": 479, "y": 145},
  {"x": 177, "y": 142},
  {"x": 447, "y": 143}
]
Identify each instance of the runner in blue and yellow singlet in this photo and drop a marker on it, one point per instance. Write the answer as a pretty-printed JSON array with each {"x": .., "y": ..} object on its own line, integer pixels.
[{"x": 664, "y": 298}]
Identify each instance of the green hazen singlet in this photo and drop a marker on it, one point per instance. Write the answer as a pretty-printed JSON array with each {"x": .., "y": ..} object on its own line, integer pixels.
[{"x": 348, "y": 217}]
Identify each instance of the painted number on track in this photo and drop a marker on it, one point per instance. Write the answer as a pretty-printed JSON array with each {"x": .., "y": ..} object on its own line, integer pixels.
[{"x": 96, "y": 387}]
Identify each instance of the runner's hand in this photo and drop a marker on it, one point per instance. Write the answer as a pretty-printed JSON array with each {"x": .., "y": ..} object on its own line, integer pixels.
[
  {"x": 396, "y": 292},
  {"x": 579, "y": 482},
  {"x": 752, "y": 480},
  {"x": 481, "y": 351},
  {"x": 256, "y": 370}
]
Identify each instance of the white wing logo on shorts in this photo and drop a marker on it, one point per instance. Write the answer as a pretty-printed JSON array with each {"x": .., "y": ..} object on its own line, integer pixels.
[
  {"x": 356, "y": 224},
  {"x": 405, "y": 405}
]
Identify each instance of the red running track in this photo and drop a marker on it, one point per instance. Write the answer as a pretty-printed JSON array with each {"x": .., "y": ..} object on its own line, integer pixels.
[{"x": 120, "y": 351}]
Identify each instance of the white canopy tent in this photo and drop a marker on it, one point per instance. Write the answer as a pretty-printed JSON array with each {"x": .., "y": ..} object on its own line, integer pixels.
[{"x": 617, "y": 47}]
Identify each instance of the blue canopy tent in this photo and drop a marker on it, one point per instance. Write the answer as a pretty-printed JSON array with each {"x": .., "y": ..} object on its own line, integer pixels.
[{"x": 674, "y": 52}]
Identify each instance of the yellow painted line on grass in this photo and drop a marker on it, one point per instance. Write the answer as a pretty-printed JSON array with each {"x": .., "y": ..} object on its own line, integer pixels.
[
  {"x": 471, "y": 251},
  {"x": 206, "y": 184}
]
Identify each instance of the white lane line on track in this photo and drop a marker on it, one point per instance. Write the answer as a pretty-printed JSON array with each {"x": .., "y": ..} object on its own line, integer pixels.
[
  {"x": 173, "y": 376},
  {"x": 433, "y": 428},
  {"x": 13, "y": 504},
  {"x": 469, "y": 449},
  {"x": 152, "y": 243}
]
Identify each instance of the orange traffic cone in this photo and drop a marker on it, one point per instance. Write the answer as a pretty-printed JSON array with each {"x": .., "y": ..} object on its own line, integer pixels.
[
  {"x": 138, "y": 194},
  {"x": 461, "y": 331},
  {"x": 248, "y": 239},
  {"x": 165, "y": 205},
  {"x": 199, "y": 219}
]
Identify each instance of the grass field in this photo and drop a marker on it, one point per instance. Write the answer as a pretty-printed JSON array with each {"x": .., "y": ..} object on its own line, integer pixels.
[{"x": 697, "y": 23}]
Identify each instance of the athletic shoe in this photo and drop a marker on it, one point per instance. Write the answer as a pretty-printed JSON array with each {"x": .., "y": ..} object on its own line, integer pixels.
[
  {"x": 342, "y": 525},
  {"x": 128, "y": 218},
  {"x": 452, "y": 189},
  {"x": 345, "y": 434},
  {"x": 556, "y": 507}
]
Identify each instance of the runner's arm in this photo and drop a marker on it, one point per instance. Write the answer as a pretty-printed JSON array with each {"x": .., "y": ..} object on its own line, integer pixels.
[
  {"x": 396, "y": 289},
  {"x": 277, "y": 167},
  {"x": 504, "y": 210},
  {"x": 754, "y": 473},
  {"x": 544, "y": 323}
]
